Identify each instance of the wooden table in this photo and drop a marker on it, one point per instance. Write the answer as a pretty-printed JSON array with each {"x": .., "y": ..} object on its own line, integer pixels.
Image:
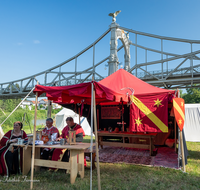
[
  {"x": 149, "y": 136},
  {"x": 74, "y": 166}
]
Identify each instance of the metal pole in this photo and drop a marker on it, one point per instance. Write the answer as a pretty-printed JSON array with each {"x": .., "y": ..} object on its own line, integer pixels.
[
  {"x": 33, "y": 148},
  {"x": 146, "y": 58},
  {"x": 94, "y": 61},
  {"x": 91, "y": 142},
  {"x": 162, "y": 56},
  {"x": 75, "y": 68},
  {"x": 167, "y": 64},
  {"x": 191, "y": 65},
  {"x": 59, "y": 76},
  {"x": 175, "y": 133},
  {"x": 136, "y": 54}
]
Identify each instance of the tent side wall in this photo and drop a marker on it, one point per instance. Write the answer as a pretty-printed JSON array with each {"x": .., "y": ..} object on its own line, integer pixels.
[{"x": 192, "y": 122}]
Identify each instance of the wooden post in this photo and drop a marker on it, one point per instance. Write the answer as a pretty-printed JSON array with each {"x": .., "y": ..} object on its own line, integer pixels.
[
  {"x": 96, "y": 141},
  {"x": 49, "y": 109},
  {"x": 79, "y": 116},
  {"x": 182, "y": 151},
  {"x": 97, "y": 119},
  {"x": 34, "y": 135}
]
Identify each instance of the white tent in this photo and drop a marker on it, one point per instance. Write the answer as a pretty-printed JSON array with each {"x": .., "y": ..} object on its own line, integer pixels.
[
  {"x": 192, "y": 122},
  {"x": 64, "y": 113}
]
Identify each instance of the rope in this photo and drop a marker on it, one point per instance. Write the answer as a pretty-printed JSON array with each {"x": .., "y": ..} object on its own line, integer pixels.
[{"x": 18, "y": 106}]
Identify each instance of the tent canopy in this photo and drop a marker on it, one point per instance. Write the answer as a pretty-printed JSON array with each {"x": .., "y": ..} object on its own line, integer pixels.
[
  {"x": 148, "y": 113},
  {"x": 77, "y": 93},
  {"x": 123, "y": 79}
]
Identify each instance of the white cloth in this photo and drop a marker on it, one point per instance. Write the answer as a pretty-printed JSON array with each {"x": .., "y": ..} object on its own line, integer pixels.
[{"x": 192, "y": 122}]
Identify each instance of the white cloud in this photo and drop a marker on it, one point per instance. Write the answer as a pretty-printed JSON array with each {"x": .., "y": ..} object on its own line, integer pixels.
[
  {"x": 36, "y": 41},
  {"x": 19, "y": 44}
]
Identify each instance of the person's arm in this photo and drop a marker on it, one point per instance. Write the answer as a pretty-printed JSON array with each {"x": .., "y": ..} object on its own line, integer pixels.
[
  {"x": 5, "y": 141},
  {"x": 80, "y": 134}
]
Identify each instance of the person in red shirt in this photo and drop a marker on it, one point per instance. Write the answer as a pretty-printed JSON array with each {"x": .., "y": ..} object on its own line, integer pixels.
[
  {"x": 64, "y": 154},
  {"x": 49, "y": 130}
]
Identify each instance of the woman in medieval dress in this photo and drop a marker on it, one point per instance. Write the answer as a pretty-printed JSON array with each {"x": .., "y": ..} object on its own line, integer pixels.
[{"x": 11, "y": 156}]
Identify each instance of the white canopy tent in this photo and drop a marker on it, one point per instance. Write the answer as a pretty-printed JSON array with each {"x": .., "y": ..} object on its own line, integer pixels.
[
  {"x": 192, "y": 122},
  {"x": 64, "y": 113}
]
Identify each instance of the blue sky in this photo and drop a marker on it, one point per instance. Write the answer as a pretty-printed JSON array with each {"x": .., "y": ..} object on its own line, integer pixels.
[{"x": 36, "y": 35}]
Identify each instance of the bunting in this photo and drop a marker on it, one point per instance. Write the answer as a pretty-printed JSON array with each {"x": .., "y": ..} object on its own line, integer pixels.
[{"x": 149, "y": 114}]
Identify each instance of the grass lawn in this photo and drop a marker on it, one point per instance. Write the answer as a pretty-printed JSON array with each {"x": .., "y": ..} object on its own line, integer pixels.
[{"x": 118, "y": 176}]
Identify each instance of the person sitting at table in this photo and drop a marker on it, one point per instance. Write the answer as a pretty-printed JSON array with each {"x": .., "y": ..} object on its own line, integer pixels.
[
  {"x": 49, "y": 130},
  {"x": 64, "y": 154},
  {"x": 11, "y": 156}
]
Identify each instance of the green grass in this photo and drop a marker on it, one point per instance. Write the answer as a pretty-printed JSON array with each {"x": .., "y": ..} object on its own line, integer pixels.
[{"x": 119, "y": 176}]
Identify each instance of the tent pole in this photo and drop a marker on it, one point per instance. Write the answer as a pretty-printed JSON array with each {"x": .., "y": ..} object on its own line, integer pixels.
[
  {"x": 91, "y": 142},
  {"x": 96, "y": 141},
  {"x": 49, "y": 109},
  {"x": 182, "y": 151},
  {"x": 175, "y": 133},
  {"x": 33, "y": 147},
  {"x": 79, "y": 115},
  {"x": 181, "y": 141}
]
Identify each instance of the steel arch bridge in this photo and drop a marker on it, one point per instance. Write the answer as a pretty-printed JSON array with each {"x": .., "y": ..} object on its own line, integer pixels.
[{"x": 158, "y": 60}]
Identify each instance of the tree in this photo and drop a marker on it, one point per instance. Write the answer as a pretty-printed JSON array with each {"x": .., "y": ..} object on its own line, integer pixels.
[
  {"x": 192, "y": 96},
  {"x": 9, "y": 105}
]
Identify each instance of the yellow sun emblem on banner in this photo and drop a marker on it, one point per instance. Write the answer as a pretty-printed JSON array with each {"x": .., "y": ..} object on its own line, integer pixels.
[
  {"x": 157, "y": 102},
  {"x": 138, "y": 121},
  {"x": 180, "y": 121}
]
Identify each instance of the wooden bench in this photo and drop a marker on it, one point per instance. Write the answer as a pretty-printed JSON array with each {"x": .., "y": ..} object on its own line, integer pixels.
[{"x": 123, "y": 135}]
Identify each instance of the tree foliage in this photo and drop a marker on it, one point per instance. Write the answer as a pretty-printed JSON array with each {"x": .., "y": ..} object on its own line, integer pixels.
[
  {"x": 192, "y": 95},
  {"x": 9, "y": 105}
]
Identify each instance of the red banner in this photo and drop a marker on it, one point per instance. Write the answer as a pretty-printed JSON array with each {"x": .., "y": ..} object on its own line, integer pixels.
[
  {"x": 179, "y": 111},
  {"x": 149, "y": 113}
]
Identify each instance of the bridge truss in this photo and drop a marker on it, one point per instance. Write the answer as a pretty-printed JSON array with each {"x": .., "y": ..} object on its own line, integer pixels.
[{"x": 154, "y": 59}]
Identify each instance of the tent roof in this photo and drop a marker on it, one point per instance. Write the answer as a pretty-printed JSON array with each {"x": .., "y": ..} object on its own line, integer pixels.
[
  {"x": 76, "y": 93},
  {"x": 123, "y": 79}
]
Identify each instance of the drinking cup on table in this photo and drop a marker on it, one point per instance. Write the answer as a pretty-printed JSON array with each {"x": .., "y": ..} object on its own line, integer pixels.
[
  {"x": 18, "y": 140},
  {"x": 62, "y": 141}
]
